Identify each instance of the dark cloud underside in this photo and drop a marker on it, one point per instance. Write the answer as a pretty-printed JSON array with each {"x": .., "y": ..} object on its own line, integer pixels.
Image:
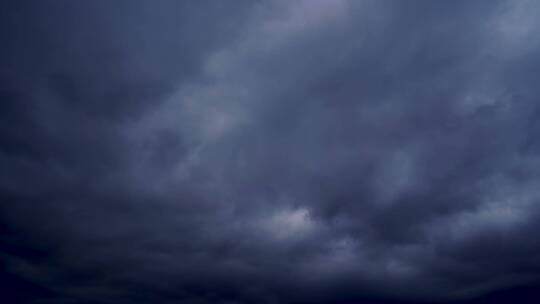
[{"x": 269, "y": 151}]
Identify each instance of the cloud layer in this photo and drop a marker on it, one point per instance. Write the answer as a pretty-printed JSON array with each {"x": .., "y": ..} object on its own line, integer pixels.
[{"x": 268, "y": 152}]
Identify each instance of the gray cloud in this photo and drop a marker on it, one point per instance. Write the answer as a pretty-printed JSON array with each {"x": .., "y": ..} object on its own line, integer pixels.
[{"x": 297, "y": 152}]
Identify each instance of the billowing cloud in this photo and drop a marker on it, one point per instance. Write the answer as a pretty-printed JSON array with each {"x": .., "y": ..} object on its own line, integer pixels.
[{"x": 268, "y": 152}]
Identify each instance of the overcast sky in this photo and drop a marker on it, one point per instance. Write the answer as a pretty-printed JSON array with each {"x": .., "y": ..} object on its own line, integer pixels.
[{"x": 269, "y": 152}]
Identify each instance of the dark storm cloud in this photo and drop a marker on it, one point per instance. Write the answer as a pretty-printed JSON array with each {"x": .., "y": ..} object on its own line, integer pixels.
[{"x": 268, "y": 152}]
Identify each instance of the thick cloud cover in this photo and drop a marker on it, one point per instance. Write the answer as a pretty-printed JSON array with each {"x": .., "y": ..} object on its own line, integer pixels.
[{"x": 303, "y": 151}]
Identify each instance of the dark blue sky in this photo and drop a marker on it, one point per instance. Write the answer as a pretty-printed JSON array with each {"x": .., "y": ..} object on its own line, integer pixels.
[{"x": 309, "y": 151}]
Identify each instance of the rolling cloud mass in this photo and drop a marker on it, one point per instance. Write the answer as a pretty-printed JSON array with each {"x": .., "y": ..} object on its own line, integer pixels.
[{"x": 307, "y": 151}]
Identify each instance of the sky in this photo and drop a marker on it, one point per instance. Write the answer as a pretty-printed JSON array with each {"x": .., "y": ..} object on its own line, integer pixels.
[{"x": 295, "y": 152}]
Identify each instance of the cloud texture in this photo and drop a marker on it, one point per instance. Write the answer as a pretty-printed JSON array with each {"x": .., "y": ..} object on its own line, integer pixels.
[{"x": 303, "y": 151}]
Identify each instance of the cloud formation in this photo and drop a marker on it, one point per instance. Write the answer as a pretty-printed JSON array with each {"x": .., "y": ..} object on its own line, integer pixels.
[{"x": 268, "y": 152}]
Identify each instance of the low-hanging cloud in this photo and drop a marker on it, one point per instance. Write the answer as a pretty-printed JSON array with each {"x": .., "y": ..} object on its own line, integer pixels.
[{"x": 268, "y": 152}]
